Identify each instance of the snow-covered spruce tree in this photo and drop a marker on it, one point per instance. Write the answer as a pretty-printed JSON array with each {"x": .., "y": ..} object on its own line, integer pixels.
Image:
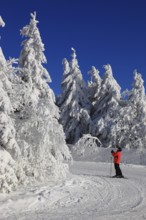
[
  {"x": 73, "y": 101},
  {"x": 105, "y": 109},
  {"x": 9, "y": 149},
  {"x": 94, "y": 85},
  {"x": 5, "y": 73},
  {"x": 39, "y": 133},
  {"x": 132, "y": 117},
  {"x": 8, "y": 145},
  {"x": 7, "y": 134}
]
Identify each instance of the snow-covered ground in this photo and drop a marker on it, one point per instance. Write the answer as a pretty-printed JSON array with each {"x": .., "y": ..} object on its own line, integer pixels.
[{"x": 88, "y": 193}]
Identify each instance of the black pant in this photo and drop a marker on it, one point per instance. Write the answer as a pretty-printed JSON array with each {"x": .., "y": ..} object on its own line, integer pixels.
[{"x": 118, "y": 170}]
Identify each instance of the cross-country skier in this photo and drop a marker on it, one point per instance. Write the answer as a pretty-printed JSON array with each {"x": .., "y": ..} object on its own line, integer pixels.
[{"x": 117, "y": 158}]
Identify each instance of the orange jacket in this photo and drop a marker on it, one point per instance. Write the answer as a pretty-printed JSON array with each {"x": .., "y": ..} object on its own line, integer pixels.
[{"x": 117, "y": 156}]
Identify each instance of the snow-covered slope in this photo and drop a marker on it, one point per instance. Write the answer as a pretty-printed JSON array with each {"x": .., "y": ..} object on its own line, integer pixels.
[{"x": 89, "y": 193}]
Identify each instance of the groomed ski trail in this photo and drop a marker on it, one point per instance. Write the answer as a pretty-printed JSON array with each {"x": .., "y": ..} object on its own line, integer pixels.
[{"x": 88, "y": 194}]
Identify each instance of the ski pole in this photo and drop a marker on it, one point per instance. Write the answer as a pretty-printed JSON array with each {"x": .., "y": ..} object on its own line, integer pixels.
[{"x": 111, "y": 168}]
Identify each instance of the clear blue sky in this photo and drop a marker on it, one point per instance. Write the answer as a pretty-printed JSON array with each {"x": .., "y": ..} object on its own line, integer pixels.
[{"x": 101, "y": 31}]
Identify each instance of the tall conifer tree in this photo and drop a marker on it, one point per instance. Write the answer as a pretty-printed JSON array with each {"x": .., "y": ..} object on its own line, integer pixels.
[{"x": 73, "y": 101}]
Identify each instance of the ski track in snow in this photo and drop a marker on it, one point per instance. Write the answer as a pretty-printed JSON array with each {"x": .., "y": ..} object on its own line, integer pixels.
[{"x": 87, "y": 194}]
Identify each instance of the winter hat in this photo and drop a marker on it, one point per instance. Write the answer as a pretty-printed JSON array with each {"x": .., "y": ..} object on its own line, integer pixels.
[{"x": 119, "y": 149}]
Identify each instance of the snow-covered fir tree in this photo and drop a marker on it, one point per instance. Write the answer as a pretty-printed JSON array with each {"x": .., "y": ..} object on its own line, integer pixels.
[
  {"x": 105, "y": 109},
  {"x": 5, "y": 72},
  {"x": 8, "y": 74},
  {"x": 9, "y": 149},
  {"x": 132, "y": 116},
  {"x": 31, "y": 138},
  {"x": 73, "y": 101},
  {"x": 94, "y": 85},
  {"x": 7, "y": 131},
  {"x": 42, "y": 137}
]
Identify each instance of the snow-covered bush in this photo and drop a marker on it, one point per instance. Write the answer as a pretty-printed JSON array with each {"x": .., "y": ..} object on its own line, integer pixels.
[{"x": 86, "y": 147}]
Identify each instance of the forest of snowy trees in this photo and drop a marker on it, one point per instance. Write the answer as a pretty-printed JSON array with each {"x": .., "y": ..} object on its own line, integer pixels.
[
  {"x": 98, "y": 108},
  {"x": 35, "y": 127}
]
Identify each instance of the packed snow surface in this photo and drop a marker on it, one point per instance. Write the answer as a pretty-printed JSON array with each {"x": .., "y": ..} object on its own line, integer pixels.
[{"x": 88, "y": 193}]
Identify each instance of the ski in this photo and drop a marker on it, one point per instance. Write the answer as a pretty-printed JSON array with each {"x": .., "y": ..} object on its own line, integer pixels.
[{"x": 119, "y": 177}]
